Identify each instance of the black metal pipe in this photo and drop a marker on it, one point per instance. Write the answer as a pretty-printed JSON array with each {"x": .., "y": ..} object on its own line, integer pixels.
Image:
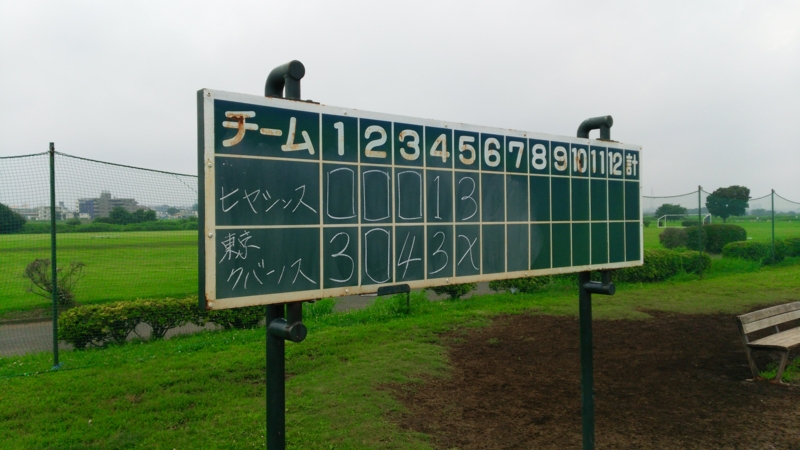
[
  {"x": 603, "y": 123},
  {"x": 285, "y": 76},
  {"x": 276, "y": 383},
  {"x": 291, "y": 328}
]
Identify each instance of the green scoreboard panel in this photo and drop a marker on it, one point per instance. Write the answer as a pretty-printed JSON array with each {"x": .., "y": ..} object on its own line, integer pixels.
[{"x": 303, "y": 201}]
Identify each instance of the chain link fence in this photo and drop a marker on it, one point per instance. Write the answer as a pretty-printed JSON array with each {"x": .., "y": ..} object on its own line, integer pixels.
[
  {"x": 125, "y": 233},
  {"x": 121, "y": 233},
  {"x": 673, "y": 210}
]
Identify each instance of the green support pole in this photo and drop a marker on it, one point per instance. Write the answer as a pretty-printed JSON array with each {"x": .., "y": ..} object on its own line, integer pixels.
[
  {"x": 586, "y": 288},
  {"x": 53, "y": 265},
  {"x": 700, "y": 219},
  {"x": 700, "y": 206},
  {"x": 276, "y": 386},
  {"x": 284, "y": 321},
  {"x": 773, "y": 226},
  {"x": 587, "y": 361}
]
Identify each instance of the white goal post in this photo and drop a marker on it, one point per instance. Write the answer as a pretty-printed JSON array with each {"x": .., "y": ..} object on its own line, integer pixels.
[{"x": 662, "y": 222}]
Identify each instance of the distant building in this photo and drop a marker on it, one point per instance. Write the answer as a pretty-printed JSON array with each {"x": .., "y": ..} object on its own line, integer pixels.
[
  {"x": 26, "y": 212},
  {"x": 101, "y": 207},
  {"x": 61, "y": 212},
  {"x": 43, "y": 212}
]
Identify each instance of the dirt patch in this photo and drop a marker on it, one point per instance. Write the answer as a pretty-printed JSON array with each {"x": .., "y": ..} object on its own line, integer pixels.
[{"x": 674, "y": 382}]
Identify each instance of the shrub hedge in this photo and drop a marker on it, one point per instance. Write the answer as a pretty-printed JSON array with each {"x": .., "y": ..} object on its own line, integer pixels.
[
  {"x": 237, "y": 318},
  {"x": 718, "y": 235},
  {"x": 660, "y": 264},
  {"x": 762, "y": 251},
  {"x": 792, "y": 247},
  {"x": 751, "y": 251},
  {"x": 101, "y": 325},
  {"x": 714, "y": 236},
  {"x": 673, "y": 237},
  {"x": 525, "y": 285},
  {"x": 693, "y": 235},
  {"x": 455, "y": 291}
]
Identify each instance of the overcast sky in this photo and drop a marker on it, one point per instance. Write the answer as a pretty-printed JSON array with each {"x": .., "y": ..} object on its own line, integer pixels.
[{"x": 710, "y": 90}]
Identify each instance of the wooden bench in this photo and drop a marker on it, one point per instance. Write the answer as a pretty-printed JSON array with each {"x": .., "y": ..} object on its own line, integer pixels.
[{"x": 780, "y": 341}]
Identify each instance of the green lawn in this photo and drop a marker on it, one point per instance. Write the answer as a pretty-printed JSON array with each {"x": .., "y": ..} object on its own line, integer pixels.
[
  {"x": 158, "y": 264},
  {"x": 207, "y": 390},
  {"x": 118, "y": 265},
  {"x": 759, "y": 231}
]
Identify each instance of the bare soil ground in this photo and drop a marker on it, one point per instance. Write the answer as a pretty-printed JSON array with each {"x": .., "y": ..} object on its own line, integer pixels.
[{"x": 673, "y": 382}]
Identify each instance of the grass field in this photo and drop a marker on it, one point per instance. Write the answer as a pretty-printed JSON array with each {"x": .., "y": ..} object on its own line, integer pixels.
[
  {"x": 118, "y": 265},
  {"x": 208, "y": 390},
  {"x": 759, "y": 231},
  {"x": 163, "y": 264}
]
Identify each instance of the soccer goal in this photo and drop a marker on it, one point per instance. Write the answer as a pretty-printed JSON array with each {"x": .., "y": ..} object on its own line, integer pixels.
[{"x": 663, "y": 221}]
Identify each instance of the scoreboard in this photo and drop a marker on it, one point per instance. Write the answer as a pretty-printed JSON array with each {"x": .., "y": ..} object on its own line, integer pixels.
[{"x": 301, "y": 201}]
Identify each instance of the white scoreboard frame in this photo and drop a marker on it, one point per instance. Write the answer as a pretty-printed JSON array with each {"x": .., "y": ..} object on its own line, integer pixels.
[{"x": 209, "y": 229}]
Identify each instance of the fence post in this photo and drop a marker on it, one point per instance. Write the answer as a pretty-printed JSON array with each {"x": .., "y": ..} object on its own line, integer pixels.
[
  {"x": 700, "y": 225},
  {"x": 54, "y": 273},
  {"x": 773, "y": 226}
]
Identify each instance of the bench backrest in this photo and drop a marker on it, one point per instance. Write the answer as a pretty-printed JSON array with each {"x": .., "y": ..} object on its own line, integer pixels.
[{"x": 769, "y": 317}]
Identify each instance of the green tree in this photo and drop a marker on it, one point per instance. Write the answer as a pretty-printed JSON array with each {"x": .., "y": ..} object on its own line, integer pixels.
[
  {"x": 120, "y": 216},
  {"x": 144, "y": 215},
  {"x": 670, "y": 209},
  {"x": 172, "y": 211},
  {"x": 10, "y": 220},
  {"x": 729, "y": 201}
]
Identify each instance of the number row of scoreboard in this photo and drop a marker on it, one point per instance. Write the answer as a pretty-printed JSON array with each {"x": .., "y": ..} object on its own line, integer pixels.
[
  {"x": 283, "y": 260},
  {"x": 299, "y": 134},
  {"x": 279, "y": 192}
]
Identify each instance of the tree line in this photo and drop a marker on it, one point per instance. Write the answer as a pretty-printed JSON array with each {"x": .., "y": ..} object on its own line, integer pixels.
[{"x": 13, "y": 222}]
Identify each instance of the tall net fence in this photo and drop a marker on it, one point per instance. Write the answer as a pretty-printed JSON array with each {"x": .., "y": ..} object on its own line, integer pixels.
[
  {"x": 769, "y": 217},
  {"x": 674, "y": 210},
  {"x": 126, "y": 233},
  {"x": 122, "y": 233},
  {"x": 24, "y": 188},
  {"x": 670, "y": 210}
]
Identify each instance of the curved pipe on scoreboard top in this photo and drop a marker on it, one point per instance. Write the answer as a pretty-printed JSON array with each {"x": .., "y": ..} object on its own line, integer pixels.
[
  {"x": 287, "y": 75},
  {"x": 603, "y": 123}
]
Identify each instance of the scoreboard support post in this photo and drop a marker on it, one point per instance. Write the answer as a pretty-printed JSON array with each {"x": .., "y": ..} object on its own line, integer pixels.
[
  {"x": 282, "y": 324},
  {"x": 586, "y": 288},
  {"x": 276, "y": 383},
  {"x": 280, "y": 330}
]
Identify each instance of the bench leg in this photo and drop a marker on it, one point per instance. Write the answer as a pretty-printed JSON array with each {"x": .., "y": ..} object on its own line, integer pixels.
[
  {"x": 751, "y": 361},
  {"x": 781, "y": 367}
]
